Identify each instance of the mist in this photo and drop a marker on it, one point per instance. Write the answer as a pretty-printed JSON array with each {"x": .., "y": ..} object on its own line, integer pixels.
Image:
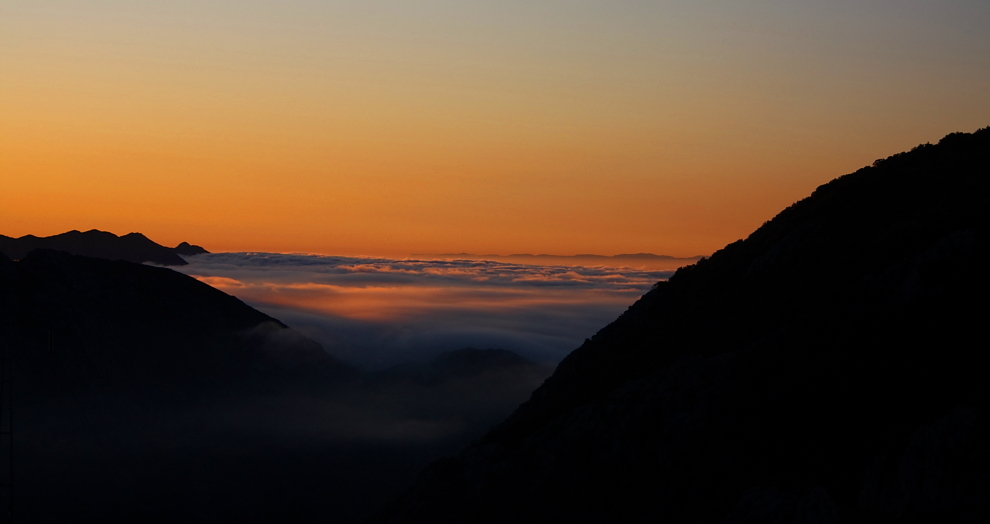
[
  {"x": 376, "y": 312},
  {"x": 337, "y": 451}
]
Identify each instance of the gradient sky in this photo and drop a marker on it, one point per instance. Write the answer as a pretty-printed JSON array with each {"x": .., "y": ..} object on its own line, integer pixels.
[{"x": 396, "y": 127}]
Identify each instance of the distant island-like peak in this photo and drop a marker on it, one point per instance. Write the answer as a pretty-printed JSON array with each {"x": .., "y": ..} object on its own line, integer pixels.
[{"x": 187, "y": 249}]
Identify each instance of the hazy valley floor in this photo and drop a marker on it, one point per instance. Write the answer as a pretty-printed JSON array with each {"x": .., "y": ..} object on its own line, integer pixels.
[{"x": 338, "y": 456}]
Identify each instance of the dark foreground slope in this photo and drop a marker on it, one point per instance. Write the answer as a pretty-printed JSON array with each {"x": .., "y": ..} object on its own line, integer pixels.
[
  {"x": 83, "y": 324},
  {"x": 132, "y": 247},
  {"x": 133, "y": 386},
  {"x": 828, "y": 368}
]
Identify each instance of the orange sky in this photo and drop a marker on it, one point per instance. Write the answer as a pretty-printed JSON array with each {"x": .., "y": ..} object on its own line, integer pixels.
[{"x": 391, "y": 128}]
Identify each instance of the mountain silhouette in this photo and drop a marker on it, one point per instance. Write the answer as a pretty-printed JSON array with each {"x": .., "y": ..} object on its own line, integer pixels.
[
  {"x": 139, "y": 391},
  {"x": 132, "y": 247},
  {"x": 94, "y": 324},
  {"x": 830, "y": 367}
]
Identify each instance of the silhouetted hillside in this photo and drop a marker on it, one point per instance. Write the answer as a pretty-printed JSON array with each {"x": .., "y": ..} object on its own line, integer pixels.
[
  {"x": 828, "y": 368},
  {"x": 86, "y": 321},
  {"x": 118, "y": 364},
  {"x": 132, "y": 247}
]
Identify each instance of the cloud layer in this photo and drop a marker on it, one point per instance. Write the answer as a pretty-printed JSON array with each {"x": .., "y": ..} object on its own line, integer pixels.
[{"x": 375, "y": 312}]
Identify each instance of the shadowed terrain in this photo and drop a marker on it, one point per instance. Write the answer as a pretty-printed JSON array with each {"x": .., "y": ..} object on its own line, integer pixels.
[{"x": 828, "y": 368}]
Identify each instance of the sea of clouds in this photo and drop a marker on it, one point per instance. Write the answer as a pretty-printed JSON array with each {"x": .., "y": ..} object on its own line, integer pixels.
[{"x": 375, "y": 312}]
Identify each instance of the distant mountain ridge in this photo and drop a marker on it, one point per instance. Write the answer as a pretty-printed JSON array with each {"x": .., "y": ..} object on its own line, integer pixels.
[
  {"x": 132, "y": 247},
  {"x": 647, "y": 260},
  {"x": 635, "y": 256},
  {"x": 828, "y": 368}
]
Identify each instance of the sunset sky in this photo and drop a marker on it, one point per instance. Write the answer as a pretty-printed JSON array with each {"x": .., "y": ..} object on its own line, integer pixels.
[{"x": 397, "y": 127}]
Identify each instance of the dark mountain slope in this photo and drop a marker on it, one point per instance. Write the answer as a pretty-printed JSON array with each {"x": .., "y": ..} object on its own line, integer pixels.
[
  {"x": 80, "y": 321},
  {"x": 132, "y": 247},
  {"x": 829, "y": 367},
  {"x": 141, "y": 393}
]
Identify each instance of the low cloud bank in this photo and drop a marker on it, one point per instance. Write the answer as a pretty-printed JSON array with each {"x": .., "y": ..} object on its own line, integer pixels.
[{"x": 374, "y": 312}]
